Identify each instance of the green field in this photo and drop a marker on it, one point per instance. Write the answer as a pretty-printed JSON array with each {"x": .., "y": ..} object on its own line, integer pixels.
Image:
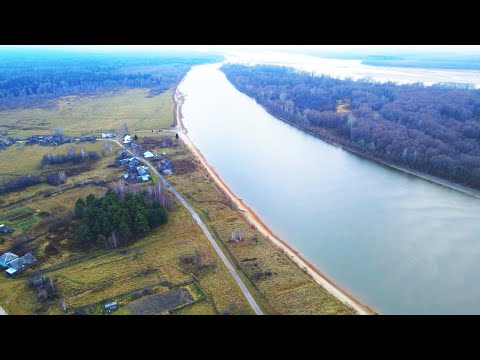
[{"x": 92, "y": 114}]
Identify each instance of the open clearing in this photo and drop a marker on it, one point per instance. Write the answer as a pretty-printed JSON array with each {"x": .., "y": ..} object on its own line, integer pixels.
[{"x": 92, "y": 114}]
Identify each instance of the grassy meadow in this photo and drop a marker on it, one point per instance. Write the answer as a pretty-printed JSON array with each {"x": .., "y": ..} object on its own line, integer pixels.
[{"x": 92, "y": 114}]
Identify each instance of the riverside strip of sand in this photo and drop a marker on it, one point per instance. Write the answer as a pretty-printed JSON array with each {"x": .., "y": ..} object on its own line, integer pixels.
[{"x": 254, "y": 220}]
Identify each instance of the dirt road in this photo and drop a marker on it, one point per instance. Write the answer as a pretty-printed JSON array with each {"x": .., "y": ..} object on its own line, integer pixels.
[{"x": 202, "y": 225}]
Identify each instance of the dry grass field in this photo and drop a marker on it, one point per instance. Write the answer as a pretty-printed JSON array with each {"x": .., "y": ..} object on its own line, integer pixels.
[
  {"x": 92, "y": 114},
  {"x": 85, "y": 278}
]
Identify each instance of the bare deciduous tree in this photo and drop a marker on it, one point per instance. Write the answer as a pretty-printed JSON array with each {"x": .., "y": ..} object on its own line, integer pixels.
[
  {"x": 107, "y": 147},
  {"x": 58, "y": 131},
  {"x": 64, "y": 306},
  {"x": 71, "y": 151},
  {"x": 62, "y": 176}
]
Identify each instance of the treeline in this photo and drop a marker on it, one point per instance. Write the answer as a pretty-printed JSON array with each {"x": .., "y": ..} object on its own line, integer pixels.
[
  {"x": 8, "y": 184},
  {"x": 115, "y": 220},
  {"x": 434, "y": 129},
  {"x": 27, "y": 76},
  {"x": 70, "y": 156},
  {"x": 465, "y": 62}
]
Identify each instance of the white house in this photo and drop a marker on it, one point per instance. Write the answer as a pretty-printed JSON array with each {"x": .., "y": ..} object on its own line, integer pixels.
[
  {"x": 127, "y": 139},
  {"x": 148, "y": 154},
  {"x": 107, "y": 135}
]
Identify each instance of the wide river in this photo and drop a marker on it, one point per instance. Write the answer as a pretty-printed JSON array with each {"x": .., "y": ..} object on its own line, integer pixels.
[{"x": 398, "y": 243}]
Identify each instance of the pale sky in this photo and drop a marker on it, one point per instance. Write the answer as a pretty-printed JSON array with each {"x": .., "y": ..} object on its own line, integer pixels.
[{"x": 357, "y": 49}]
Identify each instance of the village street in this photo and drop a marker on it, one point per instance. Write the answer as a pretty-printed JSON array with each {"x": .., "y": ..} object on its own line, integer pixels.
[{"x": 202, "y": 225}]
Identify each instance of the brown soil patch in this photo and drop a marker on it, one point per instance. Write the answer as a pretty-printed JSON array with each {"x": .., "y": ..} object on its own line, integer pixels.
[
  {"x": 20, "y": 217},
  {"x": 184, "y": 166}
]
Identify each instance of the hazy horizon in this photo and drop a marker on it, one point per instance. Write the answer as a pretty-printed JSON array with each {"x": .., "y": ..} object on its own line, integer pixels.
[{"x": 307, "y": 49}]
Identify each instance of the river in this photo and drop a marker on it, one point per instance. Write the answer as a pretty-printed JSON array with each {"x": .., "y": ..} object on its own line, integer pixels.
[{"x": 398, "y": 243}]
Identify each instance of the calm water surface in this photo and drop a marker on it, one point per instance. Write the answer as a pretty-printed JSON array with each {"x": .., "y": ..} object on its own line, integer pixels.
[{"x": 398, "y": 243}]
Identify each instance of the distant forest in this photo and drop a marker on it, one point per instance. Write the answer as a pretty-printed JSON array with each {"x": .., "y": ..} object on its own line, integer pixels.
[
  {"x": 465, "y": 62},
  {"x": 435, "y": 130},
  {"x": 27, "y": 76}
]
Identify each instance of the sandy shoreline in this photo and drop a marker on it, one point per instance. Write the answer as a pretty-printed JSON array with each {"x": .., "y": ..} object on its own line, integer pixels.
[{"x": 253, "y": 219}]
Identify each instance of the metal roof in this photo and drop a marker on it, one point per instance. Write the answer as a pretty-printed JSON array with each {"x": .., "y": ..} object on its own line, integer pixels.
[
  {"x": 7, "y": 258},
  {"x": 23, "y": 262},
  {"x": 11, "y": 271}
]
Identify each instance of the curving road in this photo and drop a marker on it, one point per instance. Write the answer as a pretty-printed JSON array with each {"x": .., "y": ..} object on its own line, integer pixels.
[{"x": 202, "y": 225}]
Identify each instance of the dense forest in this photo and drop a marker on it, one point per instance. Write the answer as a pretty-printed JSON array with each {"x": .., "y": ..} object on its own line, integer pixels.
[
  {"x": 112, "y": 220},
  {"x": 28, "y": 76},
  {"x": 435, "y": 129},
  {"x": 464, "y": 62}
]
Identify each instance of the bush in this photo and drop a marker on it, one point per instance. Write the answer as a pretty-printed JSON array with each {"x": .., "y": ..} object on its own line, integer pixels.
[
  {"x": 50, "y": 249},
  {"x": 19, "y": 242}
]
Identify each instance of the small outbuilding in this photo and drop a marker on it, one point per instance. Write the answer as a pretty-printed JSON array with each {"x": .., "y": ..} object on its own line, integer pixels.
[
  {"x": 148, "y": 154},
  {"x": 111, "y": 307},
  {"x": 5, "y": 229}
]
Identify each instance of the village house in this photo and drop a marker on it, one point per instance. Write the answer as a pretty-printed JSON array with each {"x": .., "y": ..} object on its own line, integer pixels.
[
  {"x": 135, "y": 146},
  {"x": 111, "y": 307},
  {"x": 5, "y": 229},
  {"x": 7, "y": 258},
  {"x": 143, "y": 173},
  {"x": 20, "y": 263},
  {"x": 51, "y": 140},
  {"x": 166, "y": 166},
  {"x": 48, "y": 140},
  {"x": 127, "y": 139},
  {"x": 9, "y": 142},
  {"x": 107, "y": 135},
  {"x": 134, "y": 171}
]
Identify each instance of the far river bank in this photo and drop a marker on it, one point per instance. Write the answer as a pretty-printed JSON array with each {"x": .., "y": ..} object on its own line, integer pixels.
[{"x": 435, "y": 179}]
